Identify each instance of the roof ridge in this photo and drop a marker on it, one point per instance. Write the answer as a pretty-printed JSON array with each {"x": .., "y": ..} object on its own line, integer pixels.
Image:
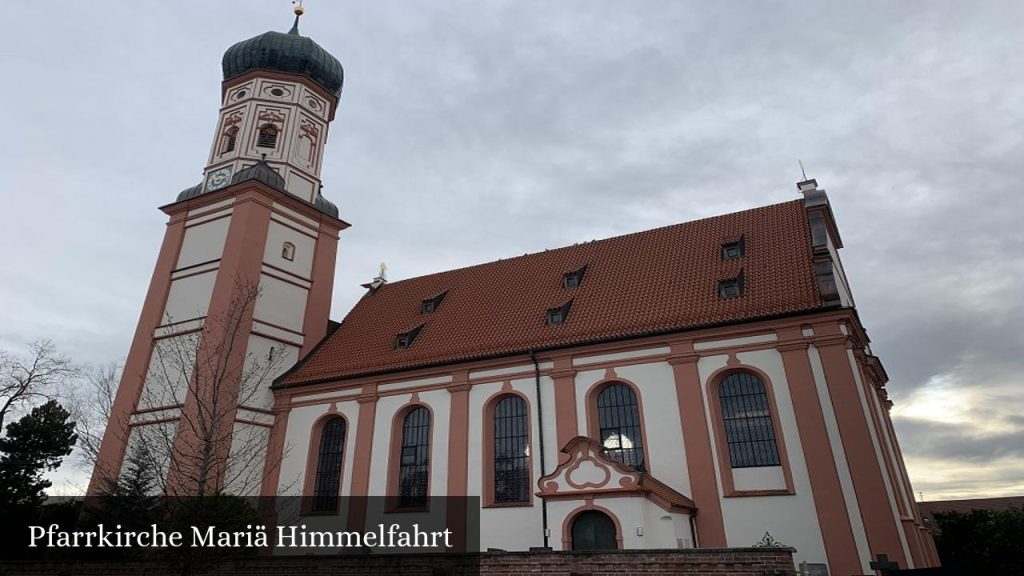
[{"x": 590, "y": 242}]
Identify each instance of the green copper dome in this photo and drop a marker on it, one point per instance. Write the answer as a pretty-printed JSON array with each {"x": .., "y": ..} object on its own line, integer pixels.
[{"x": 285, "y": 53}]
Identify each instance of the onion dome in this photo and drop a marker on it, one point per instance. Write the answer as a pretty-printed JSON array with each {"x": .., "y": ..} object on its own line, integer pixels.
[{"x": 285, "y": 52}]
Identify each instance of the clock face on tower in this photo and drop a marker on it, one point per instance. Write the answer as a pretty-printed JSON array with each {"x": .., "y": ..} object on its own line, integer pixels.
[{"x": 218, "y": 179}]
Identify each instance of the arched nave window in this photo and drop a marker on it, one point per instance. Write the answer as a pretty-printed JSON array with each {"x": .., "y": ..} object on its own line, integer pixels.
[
  {"x": 328, "y": 465},
  {"x": 618, "y": 417},
  {"x": 511, "y": 451},
  {"x": 414, "y": 459},
  {"x": 747, "y": 418}
]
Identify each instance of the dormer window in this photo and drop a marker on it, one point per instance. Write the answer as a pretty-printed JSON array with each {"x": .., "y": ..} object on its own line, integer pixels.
[
  {"x": 430, "y": 304},
  {"x": 733, "y": 249},
  {"x": 267, "y": 137},
  {"x": 731, "y": 287},
  {"x": 405, "y": 339},
  {"x": 556, "y": 316},
  {"x": 573, "y": 279}
]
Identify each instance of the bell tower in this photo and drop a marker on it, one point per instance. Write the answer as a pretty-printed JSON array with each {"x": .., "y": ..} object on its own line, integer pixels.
[{"x": 242, "y": 285}]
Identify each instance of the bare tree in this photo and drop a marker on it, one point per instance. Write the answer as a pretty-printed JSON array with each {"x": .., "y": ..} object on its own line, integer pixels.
[
  {"x": 91, "y": 408},
  {"x": 44, "y": 375},
  {"x": 215, "y": 384}
]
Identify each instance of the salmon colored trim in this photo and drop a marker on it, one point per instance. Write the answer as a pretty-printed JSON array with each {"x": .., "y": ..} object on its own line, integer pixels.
[
  {"x": 875, "y": 423},
  {"x": 257, "y": 332},
  {"x": 700, "y": 463},
  {"x": 310, "y": 232},
  {"x": 115, "y": 437},
  {"x": 288, "y": 272},
  {"x": 203, "y": 212},
  {"x": 241, "y": 260},
  {"x": 313, "y": 462},
  {"x": 365, "y": 427},
  {"x": 318, "y": 299},
  {"x": 593, "y": 419},
  {"x": 274, "y": 457},
  {"x": 327, "y": 383},
  {"x": 191, "y": 274},
  {"x": 275, "y": 276},
  {"x": 924, "y": 535},
  {"x": 589, "y": 506},
  {"x": 312, "y": 228},
  {"x": 724, "y": 461},
  {"x": 875, "y": 508},
  {"x": 291, "y": 331},
  {"x": 156, "y": 421},
  {"x": 563, "y": 377},
  {"x": 395, "y": 451},
  {"x": 487, "y": 435},
  {"x": 216, "y": 215},
  {"x": 458, "y": 460},
  {"x": 826, "y": 488},
  {"x": 156, "y": 338}
]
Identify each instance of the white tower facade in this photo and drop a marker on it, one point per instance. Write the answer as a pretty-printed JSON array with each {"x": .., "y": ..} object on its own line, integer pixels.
[{"x": 242, "y": 285}]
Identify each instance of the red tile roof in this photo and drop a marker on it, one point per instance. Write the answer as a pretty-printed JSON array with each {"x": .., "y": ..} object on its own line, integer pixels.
[
  {"x": 931, "y": 508},
  {"x": 648, "y": 282}
]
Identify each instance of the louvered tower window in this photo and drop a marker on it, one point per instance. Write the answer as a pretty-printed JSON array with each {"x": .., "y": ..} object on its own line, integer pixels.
[{"x": 267, "y": 137}]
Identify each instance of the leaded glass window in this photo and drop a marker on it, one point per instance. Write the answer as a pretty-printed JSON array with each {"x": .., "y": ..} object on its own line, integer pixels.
[
  {"x": 618, "y": 417},
  {"x": 511, "y": 451},
  {"x": 328, "y": 466},
  {"x": 748, "y": 421},
  {"x": 414, "y": 459}
]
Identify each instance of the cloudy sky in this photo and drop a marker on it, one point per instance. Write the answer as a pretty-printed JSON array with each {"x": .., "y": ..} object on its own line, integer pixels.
[{"x": 470, "y": 131}]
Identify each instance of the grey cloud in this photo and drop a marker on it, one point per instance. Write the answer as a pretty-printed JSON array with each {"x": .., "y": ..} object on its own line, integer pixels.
[{"x": 473, "y": 131}]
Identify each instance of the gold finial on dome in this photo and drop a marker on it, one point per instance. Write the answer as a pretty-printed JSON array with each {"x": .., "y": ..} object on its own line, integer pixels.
[{"x": 299, "y": 10}]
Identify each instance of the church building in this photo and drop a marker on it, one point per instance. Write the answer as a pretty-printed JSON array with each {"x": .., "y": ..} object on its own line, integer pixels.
[{"x": 699, "y": 385}]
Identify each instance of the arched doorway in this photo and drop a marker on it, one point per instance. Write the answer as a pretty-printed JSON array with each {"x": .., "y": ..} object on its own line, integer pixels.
[{"x": 593, "y": 530}]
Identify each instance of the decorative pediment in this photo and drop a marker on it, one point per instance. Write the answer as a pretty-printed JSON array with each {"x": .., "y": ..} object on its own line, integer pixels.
[
  {"x": 589, "y": 473},
  {"x": 587, "y": 469}
]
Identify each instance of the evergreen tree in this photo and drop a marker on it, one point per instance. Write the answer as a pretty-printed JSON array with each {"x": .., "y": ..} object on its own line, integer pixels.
[{"x": 35, "y": 444}]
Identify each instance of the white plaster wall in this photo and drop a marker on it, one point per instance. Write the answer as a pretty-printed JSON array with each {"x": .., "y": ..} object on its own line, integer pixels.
[
  {"x": 439, "y": 402},
  {"x": 277, "y": 235},
  {"x": 791, "y": 519},
  {"x": 296, "y": 446},
  {"x": 299, "y": 185},
  {"x": 170, "y": 368},
  {"x": 281, "y": 303},
  {"x": 261, "y": 369},
  {"x": 203, "y": 242},
  {"x": 246, "y": 461},
  {"x": 516, "y": 528},
  {"x": 584, "y": 380},
  {"x": 663, "y": 433},
  {"x": 189, "y": 297},
  {"x": 663, "y": 529},
  {"x": 156, "y": 438},
  {"x": 759, "y": 478}
]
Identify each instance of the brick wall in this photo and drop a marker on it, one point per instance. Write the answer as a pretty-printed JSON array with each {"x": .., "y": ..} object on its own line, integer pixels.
[{"x": 707, "y": 561}]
